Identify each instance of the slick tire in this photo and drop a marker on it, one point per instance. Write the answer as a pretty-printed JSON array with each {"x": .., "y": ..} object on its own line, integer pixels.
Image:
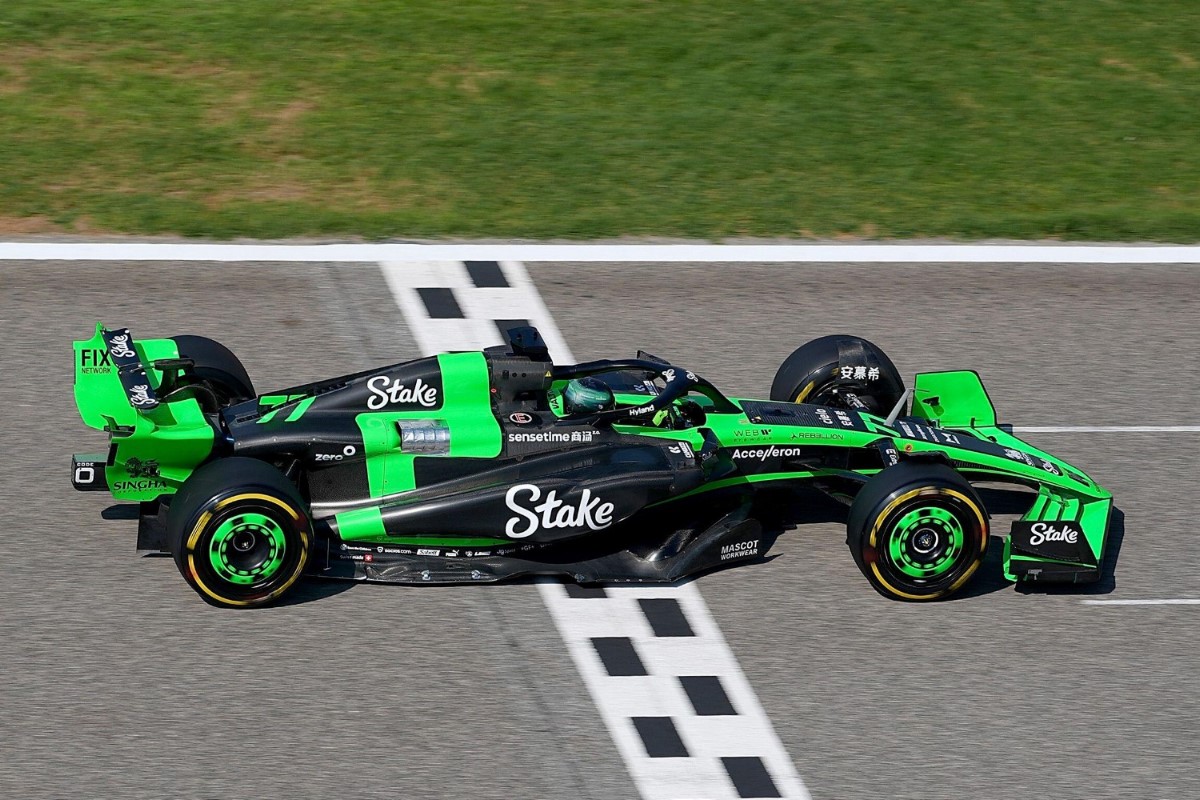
[
  {"x": 216, "y": 365},
  {"x": 918, "y": 531},
  {"x": 239, "y": 532},
  {"x": 817, "y": 373}
]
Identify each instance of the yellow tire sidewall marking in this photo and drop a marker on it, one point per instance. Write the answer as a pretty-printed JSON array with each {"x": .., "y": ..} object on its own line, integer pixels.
[
  {"x": 198, "y": 529},
  {"x": 930, "y": 490},
  {"x": 803, "y": 393}
]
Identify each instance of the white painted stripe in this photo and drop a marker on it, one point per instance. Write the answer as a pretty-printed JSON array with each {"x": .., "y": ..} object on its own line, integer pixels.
[
  {"x": 1107, "y": 429},
  {"x": 537, "y": 312},
  {"x": 579, "y": 620},
  {"x": 669, "y": 253},
  {"x": 1183, "y": 601}
]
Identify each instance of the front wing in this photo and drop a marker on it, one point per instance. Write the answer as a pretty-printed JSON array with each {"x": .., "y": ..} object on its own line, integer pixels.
[{"x": 1061, "y": 538}]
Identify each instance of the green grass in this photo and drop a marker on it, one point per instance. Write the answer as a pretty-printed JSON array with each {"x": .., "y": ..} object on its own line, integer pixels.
[{"x": 626, "y": 117}]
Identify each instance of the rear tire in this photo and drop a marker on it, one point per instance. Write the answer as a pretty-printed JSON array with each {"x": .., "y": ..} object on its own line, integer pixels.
[
  {"x": 918, "y": 531},
  {"x": 817, "y": 373},
  {"x": 217, "y": 366},
  {"x": 239, "y": 532}
]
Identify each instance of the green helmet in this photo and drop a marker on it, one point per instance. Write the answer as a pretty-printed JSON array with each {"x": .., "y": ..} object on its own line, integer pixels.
[{"x": 587, "y": 396}]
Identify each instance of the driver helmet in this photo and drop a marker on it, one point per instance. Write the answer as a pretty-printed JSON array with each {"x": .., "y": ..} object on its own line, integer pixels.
[{"x": 587, "y": 396}]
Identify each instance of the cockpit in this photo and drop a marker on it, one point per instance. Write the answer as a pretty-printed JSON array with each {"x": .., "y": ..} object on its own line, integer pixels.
[{"x": 645, "y": 390}]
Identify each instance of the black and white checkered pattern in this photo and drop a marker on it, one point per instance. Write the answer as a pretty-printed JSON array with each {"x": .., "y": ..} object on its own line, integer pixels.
[
  {"x": 468, "y": 305},
  {"x": 677, "y": 704}
]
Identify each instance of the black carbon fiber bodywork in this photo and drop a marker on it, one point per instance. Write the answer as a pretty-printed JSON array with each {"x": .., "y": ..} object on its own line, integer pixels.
[{"x": 650, "y": 551}]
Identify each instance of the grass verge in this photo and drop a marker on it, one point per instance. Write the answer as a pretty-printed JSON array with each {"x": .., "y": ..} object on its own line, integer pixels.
[{"x": 626, "y": 117}]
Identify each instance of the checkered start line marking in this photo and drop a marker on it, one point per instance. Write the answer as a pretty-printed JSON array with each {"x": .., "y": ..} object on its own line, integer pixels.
[{"x": 678, "y": 706}]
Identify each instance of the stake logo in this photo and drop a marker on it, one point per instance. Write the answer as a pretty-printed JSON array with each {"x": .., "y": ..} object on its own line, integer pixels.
[
  {"x": 1041, "y": 532},
  {"x": 385, "y": 392},
  {"x": 119, "y": 345},
  {"x": 552, "y": 512},
  {"x": 140, "y": 395},
  {"x": 1062, "y": 539}
]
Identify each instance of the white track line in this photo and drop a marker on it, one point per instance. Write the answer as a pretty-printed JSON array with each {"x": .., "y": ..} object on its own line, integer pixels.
[
  {"x": 656, "y": 694},
  {"x": 1181, "y": 601},
  {"x": 798, "y": 253}
]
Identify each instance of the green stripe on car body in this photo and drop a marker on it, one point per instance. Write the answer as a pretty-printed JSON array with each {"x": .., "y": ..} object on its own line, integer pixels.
[
  {"x": 361, "y": 524},
  {"x": 473, "y": 430}
]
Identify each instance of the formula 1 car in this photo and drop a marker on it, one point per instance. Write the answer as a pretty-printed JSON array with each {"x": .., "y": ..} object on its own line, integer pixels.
[{"x": 480, "y": 466}]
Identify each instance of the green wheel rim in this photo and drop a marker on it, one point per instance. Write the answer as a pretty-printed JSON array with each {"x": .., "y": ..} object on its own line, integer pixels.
[
  {"x": 247, "y": 548},
  {"x": 925, "y": 541}
]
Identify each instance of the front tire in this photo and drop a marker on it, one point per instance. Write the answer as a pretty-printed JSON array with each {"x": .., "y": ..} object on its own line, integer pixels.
[
  {"x": 918, "y": 531},
  {"x": 837, "y": 371},
  {"x": 239, "y": 532}
]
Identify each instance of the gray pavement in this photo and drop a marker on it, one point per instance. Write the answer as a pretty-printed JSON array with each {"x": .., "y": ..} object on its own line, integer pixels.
[
  {"x": 119, "y": 682},
  {"x": 1054, "y": 343}
]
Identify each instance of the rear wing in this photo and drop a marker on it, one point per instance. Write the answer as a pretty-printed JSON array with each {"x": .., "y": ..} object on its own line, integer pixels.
[
  {"x": 155, "y": 442},
  {"x": 130, "y": 369},
  {"x": 113, "y": 383}
]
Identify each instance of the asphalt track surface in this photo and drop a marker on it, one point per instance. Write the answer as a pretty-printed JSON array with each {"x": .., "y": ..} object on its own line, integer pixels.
[{"x": 117, "y": 681}]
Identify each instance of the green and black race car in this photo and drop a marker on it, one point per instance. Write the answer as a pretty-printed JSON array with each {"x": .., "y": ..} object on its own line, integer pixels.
[{"x": 478, "y": 466}]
